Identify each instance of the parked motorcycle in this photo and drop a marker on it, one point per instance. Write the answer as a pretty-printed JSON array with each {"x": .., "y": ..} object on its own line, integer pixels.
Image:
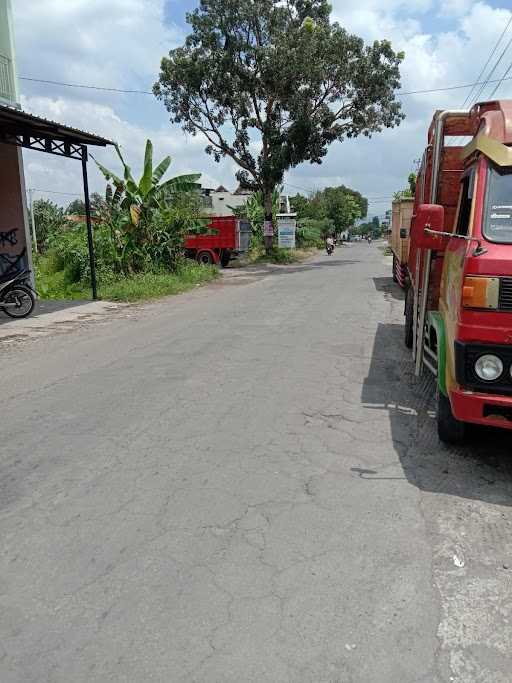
[{"x": 17, "y": 298}]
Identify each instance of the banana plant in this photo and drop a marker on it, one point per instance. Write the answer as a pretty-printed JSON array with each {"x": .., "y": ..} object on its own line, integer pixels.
[
  {"x": 256, "y": 213},
  {"x": 139, "y": 198}
]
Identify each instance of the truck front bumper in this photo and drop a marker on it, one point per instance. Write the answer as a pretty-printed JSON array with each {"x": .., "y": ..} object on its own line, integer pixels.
[{"x": 485, "y": 409}]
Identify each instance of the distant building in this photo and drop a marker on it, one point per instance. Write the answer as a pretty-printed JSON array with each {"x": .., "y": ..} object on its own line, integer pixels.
[{"x": 221, "y": 202}]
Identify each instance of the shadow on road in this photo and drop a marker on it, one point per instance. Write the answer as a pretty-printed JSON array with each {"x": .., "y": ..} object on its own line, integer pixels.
[
  {"x": 251, "y": 273},
  {"x": 44, "y": 306},
  {"x": 297, "y": 268},
  {"x": 388, "y": 287},
  {"x": 482, "y": 470}
]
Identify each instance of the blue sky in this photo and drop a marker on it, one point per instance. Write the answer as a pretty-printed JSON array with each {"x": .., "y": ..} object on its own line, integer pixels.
[{"x": 119, "y": 44}]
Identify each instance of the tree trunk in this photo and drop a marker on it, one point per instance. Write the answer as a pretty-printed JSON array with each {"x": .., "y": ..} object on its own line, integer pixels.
[{"x": 267, "y": 205}]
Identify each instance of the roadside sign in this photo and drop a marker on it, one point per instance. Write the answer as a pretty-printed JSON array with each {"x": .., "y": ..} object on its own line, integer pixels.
[{"x": 286, "y": 226}]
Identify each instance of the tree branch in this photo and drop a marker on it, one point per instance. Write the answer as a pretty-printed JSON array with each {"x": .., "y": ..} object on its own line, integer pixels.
[
  {"x": 220, "y": 143},
  {"x": 318, "y": 104}
]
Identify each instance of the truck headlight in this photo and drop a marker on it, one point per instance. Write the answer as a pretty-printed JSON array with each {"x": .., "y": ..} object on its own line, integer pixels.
[{"x": 489, "y": 368}]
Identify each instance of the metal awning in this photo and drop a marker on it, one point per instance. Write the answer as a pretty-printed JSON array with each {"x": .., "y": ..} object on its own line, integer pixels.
[{"x": 18, "y": 127}]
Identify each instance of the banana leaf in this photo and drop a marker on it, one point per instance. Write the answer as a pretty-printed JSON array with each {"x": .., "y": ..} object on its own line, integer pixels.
[
  {"x": 147, "y": 176},
  {"x": 160, "y": 170}
]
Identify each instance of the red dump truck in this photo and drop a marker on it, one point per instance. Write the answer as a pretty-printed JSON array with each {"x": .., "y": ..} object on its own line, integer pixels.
[
  {"x": 398, "y": 240},
  {"x": 226, "y": 237},
  {"x": 458, "y": 308}
]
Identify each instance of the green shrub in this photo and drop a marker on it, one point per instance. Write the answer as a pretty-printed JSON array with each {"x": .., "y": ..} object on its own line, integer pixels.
[
  {"x": 69, "y": 252},
  {"x": 311, "y": 232},
  {"x": 278, "y": 255}
]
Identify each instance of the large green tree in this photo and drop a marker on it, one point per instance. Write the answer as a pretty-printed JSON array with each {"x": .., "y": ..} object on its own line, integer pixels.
[
  {"x": 77, "y": 206},
  {"x": 272, "y": 84},
  {"x": 340, "y": 205}
]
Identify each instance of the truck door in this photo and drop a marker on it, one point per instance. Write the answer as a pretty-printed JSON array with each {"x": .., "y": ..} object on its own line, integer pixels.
[
  {"x": 243, "y": 236},
  {"x": 453, "y": 269}
]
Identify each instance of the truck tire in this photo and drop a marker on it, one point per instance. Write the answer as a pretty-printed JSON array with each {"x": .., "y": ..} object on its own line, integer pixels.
[
  {"x": 205, "y": 258},
  {"x": 449, "y": 429},
  {"x": 395, "y": 279},
  {"x": 225, "y": 258},
  {"x": 409, "y": 318}
]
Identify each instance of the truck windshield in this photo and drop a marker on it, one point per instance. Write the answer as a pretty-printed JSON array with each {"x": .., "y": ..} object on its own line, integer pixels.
[{"x": 497, "y": 223}]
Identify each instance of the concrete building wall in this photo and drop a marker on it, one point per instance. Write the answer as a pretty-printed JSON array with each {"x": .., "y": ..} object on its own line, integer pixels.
[
  {"x": 222, "y": 203},
  {"x": 14, "y": 236}
]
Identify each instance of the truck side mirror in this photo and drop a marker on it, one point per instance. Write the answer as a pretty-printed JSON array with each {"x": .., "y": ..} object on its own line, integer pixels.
[{"x": 431, "y": 218}]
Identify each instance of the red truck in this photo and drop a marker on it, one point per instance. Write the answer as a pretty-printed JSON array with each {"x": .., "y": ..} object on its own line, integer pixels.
[
  {"x": 458, "y": 309},
  {"x": 226, "y": 237}
]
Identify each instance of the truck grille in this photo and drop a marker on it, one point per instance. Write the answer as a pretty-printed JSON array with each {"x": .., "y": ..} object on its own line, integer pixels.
[{"x": 505, "y": 301}]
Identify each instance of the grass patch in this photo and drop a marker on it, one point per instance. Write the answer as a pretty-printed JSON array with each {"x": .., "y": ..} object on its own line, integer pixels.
[
  {"x": 140, "y": 287},
  {"x": 154, "y": 285}
]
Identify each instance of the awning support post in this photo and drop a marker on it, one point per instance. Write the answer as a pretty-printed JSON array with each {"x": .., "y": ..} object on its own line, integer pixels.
[{"x": 89, "y": 224}]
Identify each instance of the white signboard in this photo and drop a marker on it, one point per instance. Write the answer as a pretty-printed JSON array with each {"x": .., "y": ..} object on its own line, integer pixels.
[{"x": 286, "y": 232}]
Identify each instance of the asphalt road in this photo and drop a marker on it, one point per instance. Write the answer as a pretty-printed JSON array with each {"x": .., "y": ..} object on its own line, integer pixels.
[{"x": 243, "y": 484}]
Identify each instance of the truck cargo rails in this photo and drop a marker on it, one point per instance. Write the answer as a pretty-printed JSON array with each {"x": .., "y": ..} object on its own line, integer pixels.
[{"x": 398, "y": 239}]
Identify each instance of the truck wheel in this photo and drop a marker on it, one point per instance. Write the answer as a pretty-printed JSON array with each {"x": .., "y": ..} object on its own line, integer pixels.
[
  {"x": 449, "y": 429},
  {"x": 409, "y": 318},
  {"x": 395, "y": 279},
  {"x": 225, "y": 258},
  {"x": 205, "y": 258}
]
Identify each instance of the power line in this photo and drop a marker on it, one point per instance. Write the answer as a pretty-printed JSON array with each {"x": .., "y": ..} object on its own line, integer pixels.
[
  {"x": 451, "y": 87},
  {"x": 400, "y": 93},
  {"x": 468, "y": 96},
  {"x": 87, "y": 87},
  {"x": 68, "y": 194},
  {"x": 501, "y": 81},
  {"x": 298, "y": 187},
  {"x": 487, "y": 81},
  {"x": 309, "y": 189}
]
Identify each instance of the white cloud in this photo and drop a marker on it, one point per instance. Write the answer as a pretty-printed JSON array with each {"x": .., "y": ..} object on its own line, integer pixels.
[
  {"x": 433, "y": 60},
  {"x": 113, "y": 43},
  {"x": 455, "y": 8},
  {"x": 119, "y": 44},
  {"x": 186, "y": 152}
]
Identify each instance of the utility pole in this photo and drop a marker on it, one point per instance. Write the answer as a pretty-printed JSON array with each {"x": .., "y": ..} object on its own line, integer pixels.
[{"x": 32, "y": 217}]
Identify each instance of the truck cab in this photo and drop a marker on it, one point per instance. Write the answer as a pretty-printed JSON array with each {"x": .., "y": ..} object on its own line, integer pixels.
[
  {"x": 226, "y": 237},
  {"x": 459, "y": 302}
]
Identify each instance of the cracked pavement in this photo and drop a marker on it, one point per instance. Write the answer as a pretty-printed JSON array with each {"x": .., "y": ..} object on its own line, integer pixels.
[{"x": 243, "y": 484}]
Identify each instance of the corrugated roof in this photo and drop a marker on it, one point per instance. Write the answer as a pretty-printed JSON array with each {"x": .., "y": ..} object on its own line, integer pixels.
[{"x": 16, "y": 122}]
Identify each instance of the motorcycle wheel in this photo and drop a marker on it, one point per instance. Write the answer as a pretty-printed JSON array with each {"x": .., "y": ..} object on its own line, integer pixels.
[{"x": 23, "y": 299}]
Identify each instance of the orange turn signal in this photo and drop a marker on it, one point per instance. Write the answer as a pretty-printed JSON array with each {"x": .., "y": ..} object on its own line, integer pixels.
[{"x": 480, "y": 292}]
